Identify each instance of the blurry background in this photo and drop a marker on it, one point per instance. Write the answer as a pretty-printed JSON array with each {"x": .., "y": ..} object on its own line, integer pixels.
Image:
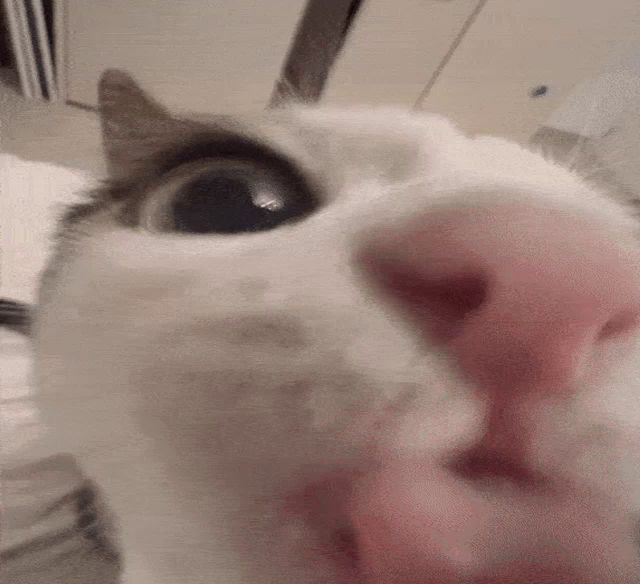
[{"x": 495, "y": 66}]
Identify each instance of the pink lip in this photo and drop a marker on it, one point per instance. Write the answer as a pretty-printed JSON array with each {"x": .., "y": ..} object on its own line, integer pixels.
[{"x": 324, "y": 505}]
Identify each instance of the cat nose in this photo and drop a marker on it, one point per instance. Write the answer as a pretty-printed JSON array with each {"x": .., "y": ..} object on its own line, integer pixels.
[{"x": 520, "y": 295}]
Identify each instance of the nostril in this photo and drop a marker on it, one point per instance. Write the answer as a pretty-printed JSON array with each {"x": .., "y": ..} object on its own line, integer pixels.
[
  {"x": 619, "y": 324},
  {"x": 479, "y": 466},
  {"x": 346, "y": 543},
  {"x": 456, "y": 297},
  {"x": 445, "y": 302}
]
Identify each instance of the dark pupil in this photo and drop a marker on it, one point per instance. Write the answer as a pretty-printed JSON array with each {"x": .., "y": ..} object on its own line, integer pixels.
[{"x": 222, "y": 203}]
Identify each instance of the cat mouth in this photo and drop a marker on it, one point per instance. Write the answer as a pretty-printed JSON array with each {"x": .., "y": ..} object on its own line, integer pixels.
[
  {"x": 327, "y": 505},
  {"x": 477, "y": 518},
  {"x": 488, "y": 470}
]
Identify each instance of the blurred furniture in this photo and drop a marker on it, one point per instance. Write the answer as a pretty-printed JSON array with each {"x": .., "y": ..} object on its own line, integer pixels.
[{"x": 28, "y": 24}]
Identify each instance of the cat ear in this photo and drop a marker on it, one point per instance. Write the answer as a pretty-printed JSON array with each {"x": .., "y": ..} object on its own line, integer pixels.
[{"x": 133, "y": 123}]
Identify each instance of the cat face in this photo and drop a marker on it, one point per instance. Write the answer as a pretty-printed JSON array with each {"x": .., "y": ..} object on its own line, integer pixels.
[{"x": 346, "y": 346}]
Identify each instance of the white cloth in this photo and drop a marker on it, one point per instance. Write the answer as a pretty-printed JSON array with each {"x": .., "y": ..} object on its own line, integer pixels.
[{"x": 32, "y": 195}]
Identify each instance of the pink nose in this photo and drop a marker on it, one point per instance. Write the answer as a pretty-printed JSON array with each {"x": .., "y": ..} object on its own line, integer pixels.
[{"x": 519, "y": 295}]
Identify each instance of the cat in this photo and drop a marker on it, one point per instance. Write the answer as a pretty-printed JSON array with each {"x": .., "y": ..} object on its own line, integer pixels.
[{"x": 345, "y": 346}]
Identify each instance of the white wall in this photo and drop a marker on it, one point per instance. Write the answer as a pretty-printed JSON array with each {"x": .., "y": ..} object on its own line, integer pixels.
[{"x": 200, "y": 55}]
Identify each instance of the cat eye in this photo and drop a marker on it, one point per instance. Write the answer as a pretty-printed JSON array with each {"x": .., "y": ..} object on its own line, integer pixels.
[{"x": 226, "y": 196}]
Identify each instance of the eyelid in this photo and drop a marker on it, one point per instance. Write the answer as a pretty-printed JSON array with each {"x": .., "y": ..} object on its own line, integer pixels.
[
  {"x": 155, "y": 210},
  {"x": 229, "y": 147}
]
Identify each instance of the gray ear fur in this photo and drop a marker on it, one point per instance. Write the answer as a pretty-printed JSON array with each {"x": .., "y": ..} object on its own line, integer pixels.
[{"x": 134, "y": 125}]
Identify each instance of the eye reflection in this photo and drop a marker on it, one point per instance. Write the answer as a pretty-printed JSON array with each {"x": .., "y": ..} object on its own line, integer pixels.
[{"x": 267, "y": 199}]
